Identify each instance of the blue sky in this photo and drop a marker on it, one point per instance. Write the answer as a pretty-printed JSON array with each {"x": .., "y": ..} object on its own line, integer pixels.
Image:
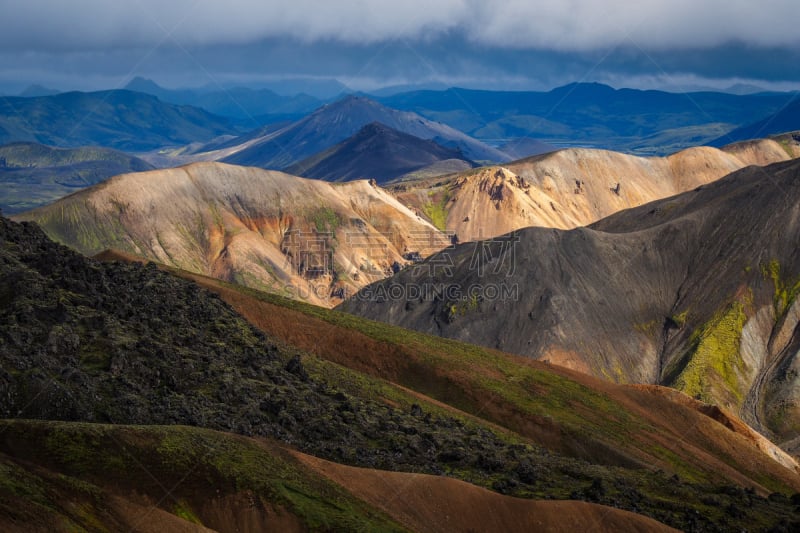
[{"x": 94, "y": 44}]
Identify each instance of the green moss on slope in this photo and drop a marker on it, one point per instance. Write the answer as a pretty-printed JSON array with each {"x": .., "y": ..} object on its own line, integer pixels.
[
  {"x": 437, "y": 211},
  {"x": 714, "y": 360},
  {"x": 785, "y": 290}
]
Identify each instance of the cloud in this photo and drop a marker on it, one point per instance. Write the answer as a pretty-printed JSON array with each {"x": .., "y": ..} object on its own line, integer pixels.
[
  {"x": 559, "y": 25},
  {"x": 514, "y": 44}
]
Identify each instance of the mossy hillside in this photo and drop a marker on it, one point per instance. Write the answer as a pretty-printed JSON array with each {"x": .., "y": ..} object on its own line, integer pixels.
[
  {"x": 714, "y": 364},
  {"x": 176, "y": 355},
  {"x": 31, "y": 496},
  {"x": 72, "y": 224},
  {"x": 195, "y": 464},
  {"x": 325, "y": 220},
  {"x": 199, "y": 465},
  {"x": 554, "y": 396}
]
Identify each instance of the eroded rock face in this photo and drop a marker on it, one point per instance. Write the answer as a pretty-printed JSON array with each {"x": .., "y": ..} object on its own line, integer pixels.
[{"x": 697, "y": 291}]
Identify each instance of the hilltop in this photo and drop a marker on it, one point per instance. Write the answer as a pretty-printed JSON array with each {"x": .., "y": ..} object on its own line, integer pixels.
[
  {"x": 120, "y": 119},
  {"x": 335, "y": 122},
  {"x": 573, "y": 187}
]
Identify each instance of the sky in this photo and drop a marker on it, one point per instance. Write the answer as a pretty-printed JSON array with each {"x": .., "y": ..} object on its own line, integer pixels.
[{"x": 367, "y": 45}]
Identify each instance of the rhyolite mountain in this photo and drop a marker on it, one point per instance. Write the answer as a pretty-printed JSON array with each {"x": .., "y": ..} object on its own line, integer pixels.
[
  {"x": 375, "y": 152},
  {"x": 33, "y": 174},
  {"x": 574, "y": 187},
  {"x": 311, "y": 239},
  {"x": 120, "y": 119},
  {"x": 117, "y": 344},
  {"x": 335, "y": 122},
  {"x": 697, "y": 291},
  {"x": 594, "y": 115}
]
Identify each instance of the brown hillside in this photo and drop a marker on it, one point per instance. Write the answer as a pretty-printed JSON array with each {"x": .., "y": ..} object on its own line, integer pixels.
[{"x": 438, "y": 504}]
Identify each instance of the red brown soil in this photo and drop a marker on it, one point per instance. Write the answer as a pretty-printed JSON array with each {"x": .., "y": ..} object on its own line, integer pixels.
[{"x": 439, "y": 504}]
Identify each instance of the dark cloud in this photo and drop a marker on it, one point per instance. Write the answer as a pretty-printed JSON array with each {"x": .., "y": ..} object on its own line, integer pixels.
[{"x": 511, "y": 43}]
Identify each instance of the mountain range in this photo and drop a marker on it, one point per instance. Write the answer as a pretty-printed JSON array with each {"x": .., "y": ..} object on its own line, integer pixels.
[
  {"x": 596, "y": 115},
  {"x": 322, "y": 242},
  {"x": 335, "y": 122},
  {"x": 244, "y": 104},
  {"x": 198, "y": 416},
  {"x": 574, "y": 187},
  {"x": 580, "y": 339},
  {"x": 785, "y": 119},
  {"x": 696, "y": 291}
]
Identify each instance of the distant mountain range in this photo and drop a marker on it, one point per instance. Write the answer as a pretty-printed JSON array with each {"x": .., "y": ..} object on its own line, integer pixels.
[
  {"x": 786, "y": 119},
  {"x": 376, "y": 152},
  {"x": 616, "y": 119},
  {"x": 124, "y": 120},
  {"x": 33, "y": 174},
  {"x": 249, "y": 106}
]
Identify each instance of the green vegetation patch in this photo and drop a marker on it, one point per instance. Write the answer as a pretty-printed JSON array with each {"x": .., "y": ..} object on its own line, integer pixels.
[
  {"x": 713, "y": 358},
  {"x": 786, "y": 290},
  {"x": 437, "y": 211},
  {"x": 325, "y": 220}
]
